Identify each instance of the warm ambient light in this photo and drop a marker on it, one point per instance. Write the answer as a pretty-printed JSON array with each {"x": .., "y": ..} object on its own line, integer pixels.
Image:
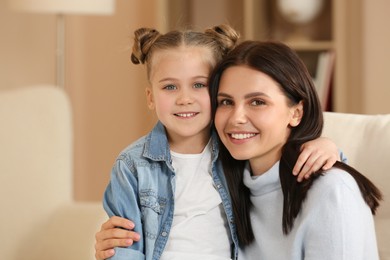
[
  {"x": 97, "y": 7},
  {"x": 61, "y": 8}
]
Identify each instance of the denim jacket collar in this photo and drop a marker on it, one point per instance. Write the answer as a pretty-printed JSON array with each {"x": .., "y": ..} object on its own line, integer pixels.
[{"x": 157, "y": 146}]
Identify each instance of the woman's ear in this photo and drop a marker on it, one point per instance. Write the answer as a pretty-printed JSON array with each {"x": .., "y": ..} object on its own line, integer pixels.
[
  {"x": 297, "y": 113},
  {"x": 149, "y": 98}
]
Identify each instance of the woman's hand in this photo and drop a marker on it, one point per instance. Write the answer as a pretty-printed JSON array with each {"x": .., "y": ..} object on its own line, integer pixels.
[
  {"x": 115, "y": 232},
  {"x": 317, "y": 154}
]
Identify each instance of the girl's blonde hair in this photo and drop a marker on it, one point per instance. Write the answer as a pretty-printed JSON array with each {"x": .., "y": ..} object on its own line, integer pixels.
[{"x": 218, "y": 39}]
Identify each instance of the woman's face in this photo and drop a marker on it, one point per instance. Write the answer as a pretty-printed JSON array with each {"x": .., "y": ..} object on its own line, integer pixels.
[{"x": 253, "y": 117}]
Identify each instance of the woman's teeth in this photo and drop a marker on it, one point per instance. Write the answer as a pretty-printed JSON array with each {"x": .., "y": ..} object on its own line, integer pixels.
[{"x": 242, "y": 136}]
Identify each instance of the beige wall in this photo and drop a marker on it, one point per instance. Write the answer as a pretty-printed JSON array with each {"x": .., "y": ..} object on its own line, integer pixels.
[
  {"x": 27, "y": 48},
  {"x": 107, "y": 91},
  {"x": 376, "y": 56}
]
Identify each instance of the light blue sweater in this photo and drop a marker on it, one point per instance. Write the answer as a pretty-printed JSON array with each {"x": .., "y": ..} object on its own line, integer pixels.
[{"x": 334, "y": 223}]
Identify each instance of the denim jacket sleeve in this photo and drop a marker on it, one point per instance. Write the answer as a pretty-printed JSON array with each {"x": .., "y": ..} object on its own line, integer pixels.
[
  {"x": 121, "y": 199},
  {"x": 343, "y": 158}
]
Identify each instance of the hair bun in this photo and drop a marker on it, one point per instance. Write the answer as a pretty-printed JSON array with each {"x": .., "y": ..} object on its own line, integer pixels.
[
  {"x": 225, "y": 35},
  {"x": 143, "y": 41}
]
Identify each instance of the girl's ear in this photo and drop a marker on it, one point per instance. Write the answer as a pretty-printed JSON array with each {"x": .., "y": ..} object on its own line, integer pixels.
[
  {"x": 297, "y": 113},
  {"x": 149, "y": 98}
]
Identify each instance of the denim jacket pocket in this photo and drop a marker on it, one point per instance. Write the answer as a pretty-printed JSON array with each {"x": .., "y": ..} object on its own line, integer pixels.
[
  {"x": 152, "y": 209},
  {"x": 150, "y": 200}
]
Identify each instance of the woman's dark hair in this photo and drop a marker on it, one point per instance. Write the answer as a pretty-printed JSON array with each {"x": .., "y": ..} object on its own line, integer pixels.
[{"x": 285, "y": 67}]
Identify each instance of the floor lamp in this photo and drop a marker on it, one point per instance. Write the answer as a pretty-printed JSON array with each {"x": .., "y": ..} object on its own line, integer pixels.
[{"x": 60, "y": 8}]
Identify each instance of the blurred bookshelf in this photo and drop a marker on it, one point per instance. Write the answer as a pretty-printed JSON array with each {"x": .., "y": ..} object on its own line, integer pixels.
[{"x": 329, "y": 32}]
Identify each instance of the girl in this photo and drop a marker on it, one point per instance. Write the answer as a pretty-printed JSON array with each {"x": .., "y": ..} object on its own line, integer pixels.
[
  {"x": 265, "y": 107},
  {"x": 169, "y": 182}
]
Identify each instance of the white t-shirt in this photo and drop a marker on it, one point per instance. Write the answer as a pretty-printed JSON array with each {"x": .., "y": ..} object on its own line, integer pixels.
[{"x": 199, "y": 229}]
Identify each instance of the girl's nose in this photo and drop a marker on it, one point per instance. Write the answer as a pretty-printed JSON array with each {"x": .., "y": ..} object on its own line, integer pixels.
[{"x": 184, "y": 98}]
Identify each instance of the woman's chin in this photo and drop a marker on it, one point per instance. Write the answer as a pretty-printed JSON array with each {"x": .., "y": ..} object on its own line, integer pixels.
[{"x": 240, "y": 156}]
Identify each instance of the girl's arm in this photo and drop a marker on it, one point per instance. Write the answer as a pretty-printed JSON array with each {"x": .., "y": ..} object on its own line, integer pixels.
[
  {"x": 121, "y": 198},
  {"x": 317, "y": 154}
]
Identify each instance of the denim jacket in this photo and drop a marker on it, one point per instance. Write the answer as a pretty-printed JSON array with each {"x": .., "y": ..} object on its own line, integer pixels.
[{"x": 142, "y": 189}]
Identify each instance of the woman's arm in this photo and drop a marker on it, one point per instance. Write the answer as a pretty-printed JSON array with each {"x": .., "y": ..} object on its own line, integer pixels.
[{"x": 115, "y": 232}]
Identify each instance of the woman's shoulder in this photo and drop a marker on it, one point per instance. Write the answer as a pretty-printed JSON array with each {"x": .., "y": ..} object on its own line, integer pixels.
[
  {"x": 334, "y": 191},
  {"x": 334, "y": 180}
]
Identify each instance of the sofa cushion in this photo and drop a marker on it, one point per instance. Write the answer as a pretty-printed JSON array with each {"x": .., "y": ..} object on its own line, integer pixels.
[
  {"x": 36, "y": 163},
  {"x": 365, "y": 140}
]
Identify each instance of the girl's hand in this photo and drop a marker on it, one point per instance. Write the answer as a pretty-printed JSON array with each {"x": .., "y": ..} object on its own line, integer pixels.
[
  {"x": 115, "y": 232},
  {"x": 317, "y": 154}
]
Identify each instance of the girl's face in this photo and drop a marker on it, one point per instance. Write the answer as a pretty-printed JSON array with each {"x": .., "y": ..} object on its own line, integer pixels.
[
  {"x": 253, "y": 118},
  {"x": 180, "y": 97}
]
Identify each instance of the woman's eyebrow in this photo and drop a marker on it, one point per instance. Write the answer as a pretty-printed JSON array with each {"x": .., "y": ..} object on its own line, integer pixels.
[
  {"x": 221, "y": 94},
  {"x": 247, "y": 96},
  {"x": 255, "y": 94}
]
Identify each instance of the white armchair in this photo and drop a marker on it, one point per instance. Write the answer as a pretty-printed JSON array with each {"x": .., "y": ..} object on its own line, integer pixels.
[
  {"x": 365, "y": 140},
  {"x": 39, "y": 219}
]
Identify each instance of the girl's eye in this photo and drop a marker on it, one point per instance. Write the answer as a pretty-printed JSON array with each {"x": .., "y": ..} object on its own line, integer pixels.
[
  {"x": 257, "y": 102},
  {"x": 199, "y": 85},
  {"x": 170, "y": 87}
]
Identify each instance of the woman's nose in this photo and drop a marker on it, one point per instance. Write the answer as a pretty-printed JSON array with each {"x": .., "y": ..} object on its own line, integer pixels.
[{"x": 239, "y": 115}]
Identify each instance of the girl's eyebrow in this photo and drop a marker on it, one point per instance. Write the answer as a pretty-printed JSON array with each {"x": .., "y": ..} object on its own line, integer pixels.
[
  {"x": 200, "y": 77},
  {"x": 175, "y": 79},
  {"x": 167, "y": 79}
]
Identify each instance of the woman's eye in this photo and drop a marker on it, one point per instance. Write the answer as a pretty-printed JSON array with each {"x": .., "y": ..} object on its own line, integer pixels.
[
  {"x": 257, "y": 102},
  {"x": 225, "y": 102},
  {"x": 170, "y": 87},
  {"x": 199, "y": 85}
]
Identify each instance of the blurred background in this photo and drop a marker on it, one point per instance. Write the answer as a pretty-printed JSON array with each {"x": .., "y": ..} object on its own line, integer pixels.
[{"x": 107, "y": 91}]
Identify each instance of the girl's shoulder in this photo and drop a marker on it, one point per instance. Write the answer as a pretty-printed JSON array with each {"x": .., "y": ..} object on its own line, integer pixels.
[
  {"x": 135, "y": 147},
  {"x": 148, "y": 143}
]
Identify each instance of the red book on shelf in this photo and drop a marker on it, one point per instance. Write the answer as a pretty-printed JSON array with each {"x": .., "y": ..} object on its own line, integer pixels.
[{"x": 323, "y": 76}]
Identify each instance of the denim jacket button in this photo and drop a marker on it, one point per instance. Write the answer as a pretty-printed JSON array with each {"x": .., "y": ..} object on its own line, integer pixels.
[{"x": 164, "y": 234}]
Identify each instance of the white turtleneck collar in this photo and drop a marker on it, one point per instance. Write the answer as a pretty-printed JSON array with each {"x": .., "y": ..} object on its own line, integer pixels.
[{"x": 262, "y": 184}]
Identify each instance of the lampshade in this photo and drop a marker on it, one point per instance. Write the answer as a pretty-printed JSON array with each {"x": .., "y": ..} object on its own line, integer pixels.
[{"x": 97, "y": 7}]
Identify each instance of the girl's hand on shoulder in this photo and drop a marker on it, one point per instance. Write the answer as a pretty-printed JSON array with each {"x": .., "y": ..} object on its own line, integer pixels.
[
  {"x": 115, "y": 232},
  {"x": 317, "y": 154}
]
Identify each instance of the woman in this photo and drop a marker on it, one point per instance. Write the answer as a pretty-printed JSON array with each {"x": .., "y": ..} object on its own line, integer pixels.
[{"x": 264, "y": 107}]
